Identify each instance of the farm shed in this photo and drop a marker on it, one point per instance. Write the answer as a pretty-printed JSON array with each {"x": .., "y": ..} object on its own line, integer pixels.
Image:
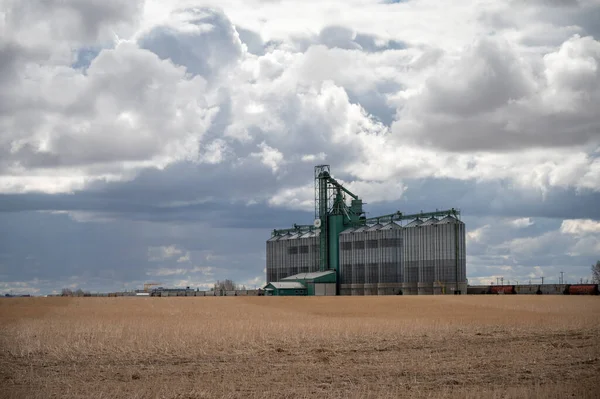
[
  {"x": 316, "y": 283},
  {"x": 288, "y": 288}
]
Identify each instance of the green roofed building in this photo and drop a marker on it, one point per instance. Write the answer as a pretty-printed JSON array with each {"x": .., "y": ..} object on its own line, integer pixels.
[
  {"x": 316, "y": 283},
  {"x": 288, "y": 288}
]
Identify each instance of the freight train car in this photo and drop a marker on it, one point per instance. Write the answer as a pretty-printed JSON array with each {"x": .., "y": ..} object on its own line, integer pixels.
[
  {"x": 502, "y": 289},
  {"x": 581, "y": 289},
  {"x": 538, "y": 289}
]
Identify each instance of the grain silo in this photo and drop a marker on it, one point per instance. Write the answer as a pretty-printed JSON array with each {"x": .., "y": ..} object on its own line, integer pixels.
[
  {"x": 390, "y": 264},
  {"x": 358, "y": 261},
  {"x": 374, "y": 256},
  {"x": 346, "y": 261},
  {"x": 372, "y": 259},
  {"x": 411, "y": 252}
]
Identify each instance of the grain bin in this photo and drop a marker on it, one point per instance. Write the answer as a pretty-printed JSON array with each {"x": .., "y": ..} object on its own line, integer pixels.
[
  {"x": 426, "y": 231},
  {"x": 411, "y": 254},
  {"x": 358, "y": 260},
  {"x": 372, "y": 259},
  {"x": 346, "y": 260}
]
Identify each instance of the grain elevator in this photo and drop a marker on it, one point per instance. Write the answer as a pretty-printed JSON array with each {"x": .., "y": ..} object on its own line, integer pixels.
[{"x": 416, "y": 254}]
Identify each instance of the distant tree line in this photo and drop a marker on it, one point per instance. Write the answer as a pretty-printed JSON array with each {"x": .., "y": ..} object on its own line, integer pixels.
[
  {"x": 596, "y": 272},
  {"x": 227, "y": 285},
  {"x": 77, "y": 292}
]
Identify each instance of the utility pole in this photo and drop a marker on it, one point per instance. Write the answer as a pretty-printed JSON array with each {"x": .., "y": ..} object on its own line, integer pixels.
[
  {"x": 542, "y": 280},
  {"x": 497, "y": 280},
  {"x": 561, "y": 278},
  {"x": 502, "y": 280}
]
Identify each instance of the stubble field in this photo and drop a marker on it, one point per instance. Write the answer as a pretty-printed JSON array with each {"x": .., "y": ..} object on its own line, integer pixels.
[{"x": 327, "y": 347}]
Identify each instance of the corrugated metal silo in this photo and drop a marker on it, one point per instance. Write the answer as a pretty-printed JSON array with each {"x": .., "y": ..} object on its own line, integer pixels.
[
  {"x": 304, "y": 252},
  {"x": 390, "y": 265},
  {"x": 427, "y": 260},
  {"x": 315, "y": 244},
  {"x": 358, "y": 261},
  {"x": 345, "y": 272},
  {"x": 285, "y": 243},
  {"x": 451, "y": 263},
  {"x": 372, "y": 258},
  {"x": 411, "y": 256},
  {"x": 271, "y": 259}
]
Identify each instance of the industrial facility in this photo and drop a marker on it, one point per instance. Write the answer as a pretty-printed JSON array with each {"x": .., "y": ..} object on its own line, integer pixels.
[{"x": 417, "y": 254}]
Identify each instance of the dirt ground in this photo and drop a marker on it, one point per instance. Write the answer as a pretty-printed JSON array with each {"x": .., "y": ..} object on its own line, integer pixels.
[{"x": 326, "y": 347}]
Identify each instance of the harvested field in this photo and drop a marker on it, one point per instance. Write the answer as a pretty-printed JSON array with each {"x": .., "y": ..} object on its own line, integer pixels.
[{"x": 326, "y": 347}]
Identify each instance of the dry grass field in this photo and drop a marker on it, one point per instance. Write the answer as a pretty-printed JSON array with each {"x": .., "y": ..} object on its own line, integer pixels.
[{"x": 326, "y": 347}]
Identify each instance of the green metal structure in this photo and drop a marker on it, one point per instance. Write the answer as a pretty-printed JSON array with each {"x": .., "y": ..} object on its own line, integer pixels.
[
  {"x": 288, "y": 288},
  {"x": 333, "y": 215},
  {"x": 316, "y": 282}
]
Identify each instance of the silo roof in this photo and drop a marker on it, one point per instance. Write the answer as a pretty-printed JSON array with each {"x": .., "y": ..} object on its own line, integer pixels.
[
  {"x": 348, "y": 230},
  {"x": 390, "y": 226},
  {"x": 449, "y": 219},
  {"x": 361, "y": 229},
  {"x": 375, "y": 227},
  {"x": 414, "y": 223},
  {"x": 274, "y": 238},
  {"x": 430, "y": 221}
]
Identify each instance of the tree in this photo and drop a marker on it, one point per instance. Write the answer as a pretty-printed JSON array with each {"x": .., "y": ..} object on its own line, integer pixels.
[
  {"x": 227, "y": 285},
  {"x": 596, "y": 273},
  {"x": 77, "y": 292}
]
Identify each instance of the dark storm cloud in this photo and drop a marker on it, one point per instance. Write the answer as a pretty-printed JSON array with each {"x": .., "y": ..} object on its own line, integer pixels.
[
  {"x": 102, "y": 256},
  {"x": 216, "y": 194},
  {"x": 221, "y": 196},
  {"x": 127, "y": 218},
  {"x": 501, "y": 198}
]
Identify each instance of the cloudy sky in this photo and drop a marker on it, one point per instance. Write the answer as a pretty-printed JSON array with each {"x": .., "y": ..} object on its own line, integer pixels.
[{"x": 163, "y": 140}]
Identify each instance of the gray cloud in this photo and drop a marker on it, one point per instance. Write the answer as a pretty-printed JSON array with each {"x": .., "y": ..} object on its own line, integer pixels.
[
  {"x": 490, "y": 101},
  {"x": 252, "y": 40},
  {"x": 114, "y": 225},
  {"x": 211, "y": 45},
  {"x": 72, "y": 20}
]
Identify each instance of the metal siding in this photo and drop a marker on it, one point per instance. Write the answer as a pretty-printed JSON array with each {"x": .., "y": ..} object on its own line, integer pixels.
[
  {"x": 345, "y": 272},
  {"x": 360, "y": 258},
  {"x": 319, "y": 289},
  {"x": 330, "y": 289},
  {"x": 427, "y": 232},
  {"x": 411, "y": 257},
  {"x": 314, "y": 250},
  {"x": 372, "y": 257},
  {"x": 390, "y": 264}
]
